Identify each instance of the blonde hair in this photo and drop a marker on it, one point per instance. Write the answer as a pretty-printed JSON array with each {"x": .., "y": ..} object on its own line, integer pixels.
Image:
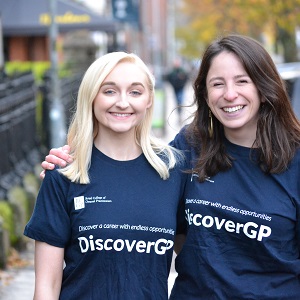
[{"x": 83, "y": 129}]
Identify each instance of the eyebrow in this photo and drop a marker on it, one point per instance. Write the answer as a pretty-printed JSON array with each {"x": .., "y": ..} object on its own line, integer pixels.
[
  {"x": 113, "y": 83},
  {"x": 235, "y": 77}
]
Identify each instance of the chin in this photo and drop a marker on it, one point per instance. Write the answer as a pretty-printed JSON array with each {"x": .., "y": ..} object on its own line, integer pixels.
[{"x": 122, "y": 130}]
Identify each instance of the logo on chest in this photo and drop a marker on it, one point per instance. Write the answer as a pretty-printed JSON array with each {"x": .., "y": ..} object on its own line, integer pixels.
[{"x": 81, "y": 201}]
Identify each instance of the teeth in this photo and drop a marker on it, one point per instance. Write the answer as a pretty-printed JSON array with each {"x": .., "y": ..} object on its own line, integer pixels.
[
  {"x": 122, "y": 115},
  {"x": 233, "y": 109}
]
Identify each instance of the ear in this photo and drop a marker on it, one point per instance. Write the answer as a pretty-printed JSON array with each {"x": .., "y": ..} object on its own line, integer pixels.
[{"x": 150, "y": 101}]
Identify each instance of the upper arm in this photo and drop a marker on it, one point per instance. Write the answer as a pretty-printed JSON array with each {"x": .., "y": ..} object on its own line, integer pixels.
[
  {"x": 179, "y": 241},
  {"x": 48, "y": 263}
]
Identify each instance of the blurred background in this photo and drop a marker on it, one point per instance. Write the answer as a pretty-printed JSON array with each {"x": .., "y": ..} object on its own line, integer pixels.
[{"x": 45, "y": 47}]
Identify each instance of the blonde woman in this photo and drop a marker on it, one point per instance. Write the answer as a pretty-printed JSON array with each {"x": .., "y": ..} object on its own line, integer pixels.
[{"x": 110, "y": 215}]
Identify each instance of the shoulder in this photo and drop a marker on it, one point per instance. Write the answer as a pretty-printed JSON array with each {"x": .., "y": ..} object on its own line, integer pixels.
[
  {"x": 180, "y": 140},
  {"x": 291, "y": 176},
  {"x": 181, "y": 143},
  {"x": 54, "y": 178},
  {"x": 296, "y": 161}
]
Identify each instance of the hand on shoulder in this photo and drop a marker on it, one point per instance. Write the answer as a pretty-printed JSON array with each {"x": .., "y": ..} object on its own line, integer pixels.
[{"x": 57, "y": 156}]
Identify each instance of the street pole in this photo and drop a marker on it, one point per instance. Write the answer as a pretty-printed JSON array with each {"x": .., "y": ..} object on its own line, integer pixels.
[
  {"x": 171, "y": 33},
  {"x": 1, "y": 47},
  {"x": 159, "y": 103},
  {"x": 57, "y": 114},
  {"x": 156, "y": 47}
]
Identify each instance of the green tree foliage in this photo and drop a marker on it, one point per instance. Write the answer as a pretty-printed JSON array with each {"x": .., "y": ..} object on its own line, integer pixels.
[{"x": 208, "y": 19}]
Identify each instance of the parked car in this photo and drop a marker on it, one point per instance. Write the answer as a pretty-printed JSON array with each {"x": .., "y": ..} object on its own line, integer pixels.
[{"x": 290, "y": 73}]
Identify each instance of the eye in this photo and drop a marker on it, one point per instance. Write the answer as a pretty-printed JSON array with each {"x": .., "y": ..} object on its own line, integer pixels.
[
  {"x": 217, "y": 84},
  {"x": 108, "y": 92},
  {"x": 136, "y": 93},
  {"x": 243, "y": 80}
]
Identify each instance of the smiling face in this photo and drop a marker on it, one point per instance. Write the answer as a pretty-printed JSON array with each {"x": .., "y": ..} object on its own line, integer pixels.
[
  {"x": 233, "y": 98},
  {"x": 122, "y": 100}
]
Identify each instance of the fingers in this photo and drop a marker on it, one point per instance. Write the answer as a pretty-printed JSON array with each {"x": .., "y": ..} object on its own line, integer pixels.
[
  {"x": 52, "y": 159},
  {"x": 46, "y": 165},
  {"x": 66, "y": 149},
  {"x": 59, "y": 156},
  {"x": 42, "y": 174}
]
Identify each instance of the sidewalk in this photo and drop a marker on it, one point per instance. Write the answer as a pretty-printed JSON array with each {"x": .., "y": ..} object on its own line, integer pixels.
[{"x": 18, "y": 283}]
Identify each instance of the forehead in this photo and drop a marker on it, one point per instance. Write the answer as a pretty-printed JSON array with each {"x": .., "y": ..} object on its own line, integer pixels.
[
  {"x": 127, "y": 72},
  {"x": 226, "y": 58},
  {"x": 226, "y": 63}
]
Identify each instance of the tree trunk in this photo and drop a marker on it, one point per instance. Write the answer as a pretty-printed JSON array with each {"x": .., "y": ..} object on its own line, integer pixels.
[{"x": 288, "y": 43}]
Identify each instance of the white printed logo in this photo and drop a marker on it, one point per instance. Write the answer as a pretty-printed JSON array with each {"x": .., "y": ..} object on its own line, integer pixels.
[
  {"x": 79, "y": 202},
  {"x": 207, "y": 178},
  {"x": 160, "y": 247},
  {"x": 250, "y": 229}
]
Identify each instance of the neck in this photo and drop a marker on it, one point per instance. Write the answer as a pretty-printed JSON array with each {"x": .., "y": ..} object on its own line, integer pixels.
[
  {"x": 241, "y": 138},
  {"x": 118, "y": 146}
]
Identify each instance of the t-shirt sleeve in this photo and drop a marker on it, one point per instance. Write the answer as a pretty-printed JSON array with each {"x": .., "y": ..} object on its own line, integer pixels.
[
  {"x": 50, "y": 222},
  {"x": 179, "y": 142}
]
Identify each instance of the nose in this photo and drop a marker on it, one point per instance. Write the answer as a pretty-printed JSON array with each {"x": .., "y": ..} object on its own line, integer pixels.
[
  {"x": 230, "y": 92},
  {"x": 122, "y": 102}
]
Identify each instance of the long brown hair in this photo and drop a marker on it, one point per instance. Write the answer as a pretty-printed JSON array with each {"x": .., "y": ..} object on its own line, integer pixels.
[{"x": 278, "y": 129}]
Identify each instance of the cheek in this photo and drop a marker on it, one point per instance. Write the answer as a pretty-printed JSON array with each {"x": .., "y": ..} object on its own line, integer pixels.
[
  {"x": 149, "y": 101},
  {"x": 96, "y": 103},
  {"x": 102, "y": 103},
  {"x": 143, "y": 109},
  {"x": 212, "y": 96},
  {"x": 143, "y": 104},
  {"x": 257, "y": 101},
  {"x": 210, "y": 101}
]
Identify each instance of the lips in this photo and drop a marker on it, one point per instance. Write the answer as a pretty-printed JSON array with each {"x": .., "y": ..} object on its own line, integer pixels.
[{"x": 233, "y": 109}]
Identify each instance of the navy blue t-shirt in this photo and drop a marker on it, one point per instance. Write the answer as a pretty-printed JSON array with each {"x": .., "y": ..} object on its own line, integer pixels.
[
  {"x": 243, "y": 232},
  {"x": 118, "y": 231}
]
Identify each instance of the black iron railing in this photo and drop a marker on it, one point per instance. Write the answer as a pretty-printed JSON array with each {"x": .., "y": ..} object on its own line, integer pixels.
[{"x": 21, "y": 141}]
